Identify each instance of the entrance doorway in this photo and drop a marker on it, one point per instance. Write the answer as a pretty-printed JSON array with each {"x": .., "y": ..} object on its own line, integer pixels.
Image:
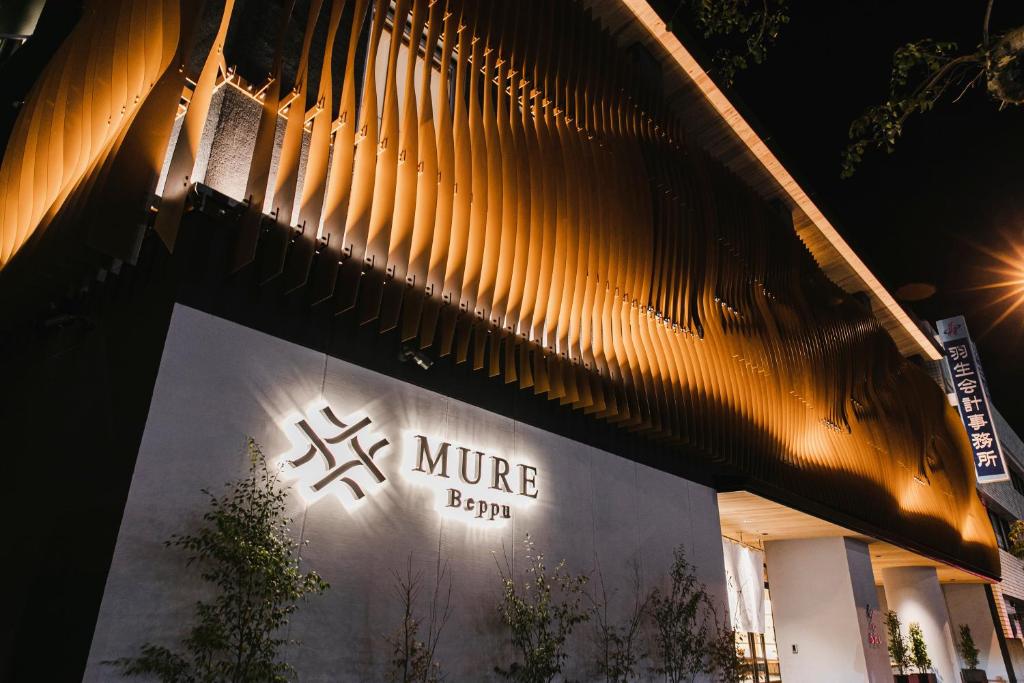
[{"x": 760, "y": 651}]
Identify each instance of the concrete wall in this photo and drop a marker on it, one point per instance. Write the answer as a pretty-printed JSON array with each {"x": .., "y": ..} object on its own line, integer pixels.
[
  {"x": 820, "y": 589},
  {"x": 968, "y": 604},
  {"x": 219, "y": 382},
  {"x": 916, "y": 596},
  {"x": 226, "y": 147}
]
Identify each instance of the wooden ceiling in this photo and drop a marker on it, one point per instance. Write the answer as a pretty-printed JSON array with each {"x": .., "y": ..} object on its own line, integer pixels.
[
  {"x": 713, "y": 123},
  {"x": 753, "y": 520}
]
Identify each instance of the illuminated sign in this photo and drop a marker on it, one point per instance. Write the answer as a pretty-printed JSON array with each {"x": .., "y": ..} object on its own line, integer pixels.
[
  {"x": 328, "y": 457},
  {"x": 469, "y": 483},
  {"x": 319, "y": 440},
  {"x": 972, "y": 400}
]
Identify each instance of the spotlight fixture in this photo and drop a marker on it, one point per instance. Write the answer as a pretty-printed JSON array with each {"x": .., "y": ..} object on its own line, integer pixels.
[{"x": 408, "y": 353}]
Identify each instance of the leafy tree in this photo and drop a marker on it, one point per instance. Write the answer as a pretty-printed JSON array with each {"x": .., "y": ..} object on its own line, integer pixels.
[
  {"x": 968, "y": 650},
  {"x": 1017, "y": 538},
  {"x": 682, "y": 624},
  {"x": 918, "y": 649},
  {"x": 925, "y": 71},
  {"x": 739, "y": 32},
  {"x": 413, "y": 660},
  {"x": 541, "y": 613},
  {"x": 899, "y": 653},
  {"x": 617, "y": 642},
  {"x": 243, "y": 549}
]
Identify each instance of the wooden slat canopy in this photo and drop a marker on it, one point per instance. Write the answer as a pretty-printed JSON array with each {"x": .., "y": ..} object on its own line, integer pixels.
[
  {"x": 511, "y": 194},
  {"x": 715, "y": 124}
]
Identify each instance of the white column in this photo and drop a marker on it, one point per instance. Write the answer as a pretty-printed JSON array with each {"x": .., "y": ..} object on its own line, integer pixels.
[
  {"x": 968, "y": 604},
  {"x": 915, "y": 594},
  {"x": 822, "y": 592}
]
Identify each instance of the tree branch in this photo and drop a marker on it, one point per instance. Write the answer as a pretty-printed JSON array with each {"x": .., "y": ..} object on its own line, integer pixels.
[{"x": 984, "y": 28}]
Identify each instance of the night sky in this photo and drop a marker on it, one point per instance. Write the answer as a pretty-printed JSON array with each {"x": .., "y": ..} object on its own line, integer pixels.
[{"x": 955, "y": 180}]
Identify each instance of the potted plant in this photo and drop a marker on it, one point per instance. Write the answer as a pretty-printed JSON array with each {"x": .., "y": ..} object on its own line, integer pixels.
[
  {"x": 919, "y": 655},
  {"x": 969, "y": 655},
  {"x": 899, "y": 653}
]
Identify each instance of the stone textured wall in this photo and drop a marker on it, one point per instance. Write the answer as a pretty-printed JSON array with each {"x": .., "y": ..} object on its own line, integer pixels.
[{"x": 219, "y": 382}]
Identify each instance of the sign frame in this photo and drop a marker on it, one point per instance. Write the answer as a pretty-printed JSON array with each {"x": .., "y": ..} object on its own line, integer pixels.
[{"x": 972, "y": 400}]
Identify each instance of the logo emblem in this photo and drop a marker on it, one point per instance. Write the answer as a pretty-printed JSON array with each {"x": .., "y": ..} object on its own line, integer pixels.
[{"x": 327, "y": 455}]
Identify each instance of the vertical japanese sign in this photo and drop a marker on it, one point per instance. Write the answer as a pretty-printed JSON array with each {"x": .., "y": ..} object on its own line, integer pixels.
[{"x": 972, "y": 400}]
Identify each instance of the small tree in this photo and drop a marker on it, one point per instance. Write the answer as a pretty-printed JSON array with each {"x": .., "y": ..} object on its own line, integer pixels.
[
  {"x": 899, "y": 653},
  {"x": 724, "y": 661},
  {"x": 413, "y": 660},
  {"x": 918, "y": 649},
  {"x": 541, "y": 613},
  {"x": 681, "y": 624},
  {"x": 1017, "y": 538},
  {"x": 968, "y": 650},
  {"x": 617, "y": 642},
  {"x": 245, "y": 552}
]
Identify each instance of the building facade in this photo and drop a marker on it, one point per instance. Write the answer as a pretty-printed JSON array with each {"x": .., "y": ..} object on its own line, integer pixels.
[
  {"x": 1005, "y": 504},
  {"x": 523, "y": 271}
]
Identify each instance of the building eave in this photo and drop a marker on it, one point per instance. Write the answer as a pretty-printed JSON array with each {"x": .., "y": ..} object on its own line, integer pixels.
[{"x": 726, "y": 134}]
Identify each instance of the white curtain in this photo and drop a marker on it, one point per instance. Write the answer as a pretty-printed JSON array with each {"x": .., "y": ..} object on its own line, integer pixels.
[{"x": 744, "y": 574}]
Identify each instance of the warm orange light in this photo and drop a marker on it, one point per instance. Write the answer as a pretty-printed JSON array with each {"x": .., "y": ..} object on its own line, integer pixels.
[
  {"x": 562, "y": 234},
  {"x": 75, "y": 118},
  {"x": 647, "y": 17}
]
